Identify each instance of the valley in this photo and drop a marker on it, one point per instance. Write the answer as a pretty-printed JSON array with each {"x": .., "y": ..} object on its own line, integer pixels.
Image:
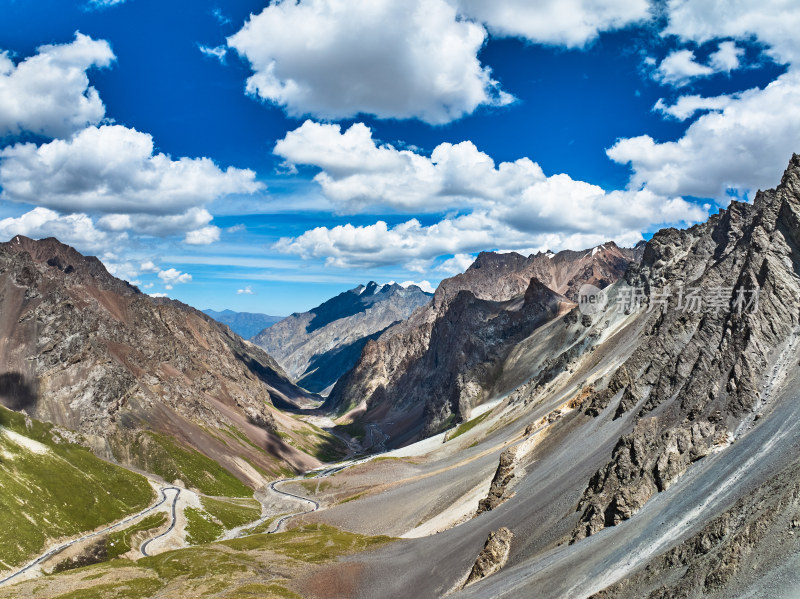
[{"x": 639, "y": 450}]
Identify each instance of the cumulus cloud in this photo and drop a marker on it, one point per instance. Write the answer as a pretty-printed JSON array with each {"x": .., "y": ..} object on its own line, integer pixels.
[
  {"x": 174, "y": 277},
  {"x": 335, "y": 59},
  {"x": 744, "y": 143},
  {"x": 679, "y": 68},
  {"x": 457, "y": 264},
  {"x": 424, "y": 285},
  {"x": 246, "y": 291},
  {"x": 113, "y": 169},
  {"x": 149, "y": 267},
  {"x": 687, "y": 106},
  {"x": 49, "y": 93},
  {"x": 570, "y": 23},
  {"x": 73, "y": 229},
  {"x": 358, "y": 174},
  {"x": 774, "y": 23},
  {"x": 510, "y": 205},
  {"x": 727, "y": 58},
  {"x": 585, "y": 217},
  {"x": 204, "y": 236},
  {"x": 744, "y": 147}
]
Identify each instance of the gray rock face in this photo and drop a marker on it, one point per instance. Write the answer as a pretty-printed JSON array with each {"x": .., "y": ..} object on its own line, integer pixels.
[
  {"x": 89, "y": 352},
  {"x": 318, "y": 346},
  {"x": 427, "y": 372},
  {"x": 493, "y": 557},
  {"x": 697, "y": 379}
]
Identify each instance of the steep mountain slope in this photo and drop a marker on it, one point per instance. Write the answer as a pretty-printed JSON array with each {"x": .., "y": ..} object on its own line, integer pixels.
[
  {"x": 52, "y": 487},
  {"x": 661, "y": 459},
  {"x": 147, "y": 381},
  {"x": 318, "y": 346},
  {"x": 429, "y": 371},
  {"x": 244, "y": 324}
]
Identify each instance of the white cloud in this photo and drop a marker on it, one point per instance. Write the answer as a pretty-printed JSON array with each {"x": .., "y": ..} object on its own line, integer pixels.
[
  {"x": 73, "y": 229},
  {"x": 510, "y": 205},
  {"x": 680, "y": 67},
  {"x": 246, "y": 291},
  {"x": 686, "y": 106},
  {"x": 744, "y": 147},
  {"x": 104, "y": 3},
  {"x": 335, "y": 59},
  {"x": 113, "y": 169},
  {"x": 218, "y": 52},
  {"x": 586, "y": 216},
  {"x": 49, "y": 93},
  {"x": 424, "y": 285},
  {"x": 173, "y": 277},
  {"x": 204, "y": 236},
  {"x": 158, "y": 295},
  {"x": 727, "y": 58},
  {"x": 571, "y": 23},
  {"x": 357, "y": 174},
  {"x": 774, "y": 22},
  {"x": 149, "y": 267},
  {"x": 457, "y": 264}
]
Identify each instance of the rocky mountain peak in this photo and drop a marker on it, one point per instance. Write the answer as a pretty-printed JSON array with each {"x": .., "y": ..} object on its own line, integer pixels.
[{"x": 87, "y": 270}]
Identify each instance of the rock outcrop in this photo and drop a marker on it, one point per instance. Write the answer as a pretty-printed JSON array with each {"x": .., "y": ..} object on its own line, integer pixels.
[{"x": 493, "y": 557}]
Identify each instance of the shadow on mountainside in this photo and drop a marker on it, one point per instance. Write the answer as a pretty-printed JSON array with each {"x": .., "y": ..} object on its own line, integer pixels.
[{"x": 16, "y": 392}]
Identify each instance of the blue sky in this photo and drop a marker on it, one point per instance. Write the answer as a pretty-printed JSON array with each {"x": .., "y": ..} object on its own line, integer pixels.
[{"x": 265, "y": 156}]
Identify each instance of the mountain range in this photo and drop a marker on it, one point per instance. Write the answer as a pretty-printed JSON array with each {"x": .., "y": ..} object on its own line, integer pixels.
[{"x": 514, "y": 438}]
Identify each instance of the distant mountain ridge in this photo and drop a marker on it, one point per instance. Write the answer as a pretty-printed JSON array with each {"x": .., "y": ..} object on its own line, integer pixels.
[
  {"x": 244, "y": 324},
  {"x": 317, "y": 347}
]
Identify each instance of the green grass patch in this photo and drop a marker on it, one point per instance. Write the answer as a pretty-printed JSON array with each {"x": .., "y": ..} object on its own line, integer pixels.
[
  {"x": 136, "y": 588},
  {"x": 468, "y": 426},
  {"x": 62, "y": 492},
  {"x": 263, "y": 527},
  {"x": 355, "y": 430},
  {"x": 353, "y": 498},
  {"x": 313, "y": 543},
  {"x": 161, "y": 455},
  {"x": 119, "y": 542},
  {"x": 195, "y": 563},
  {"x": 201, "y": 528},
  {"x": 233, "y": 512}
]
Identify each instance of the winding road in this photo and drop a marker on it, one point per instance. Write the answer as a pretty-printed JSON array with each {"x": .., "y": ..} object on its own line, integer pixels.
[
  {"x": 58, "y": 549},
  {"x": 283, "y": 519},
  {"x": 171, "y": 524}
]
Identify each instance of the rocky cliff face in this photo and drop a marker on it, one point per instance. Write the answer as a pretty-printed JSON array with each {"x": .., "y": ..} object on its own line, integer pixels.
[
  {"x": 84, "y": 350},
  {"x": 429, "y": 371},
  {"x": 699, "y": 378},
  {"x": 318, "y": 346}
]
